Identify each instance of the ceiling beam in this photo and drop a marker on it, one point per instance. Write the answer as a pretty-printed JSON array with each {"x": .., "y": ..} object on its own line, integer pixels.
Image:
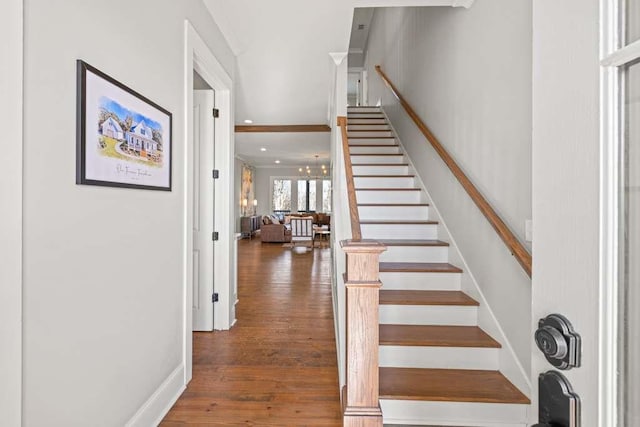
[{"x": 283, "y": 128}]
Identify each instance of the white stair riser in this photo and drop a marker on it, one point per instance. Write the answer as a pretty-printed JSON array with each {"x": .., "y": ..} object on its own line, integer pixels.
[
  {"x": 368, "y": 126},
  {"x": 365, "y": 109},
  {"x": 365, "y": 116},
  {"x": 371, "y": 141},
  {"x": 394, "y": 212},
  {"x": 381, "y": 121},
  {"x": 420, "y": 281},
  {"x": 428, "y": 315},
  {"x": 393, "y": 356},
  {"x": 378, "y": 196},
  {"x": 470, "y": 414},
  {"x": 375, "y": 150},
  {"x": 380, "y": 170},
  {"x": 415, "y": 254},
  {"x": 376, "y": 159},
  {"x": 384, "y": 182},
  {"x": 367, "y": 133},
  {"x": 399, "y": 231}
]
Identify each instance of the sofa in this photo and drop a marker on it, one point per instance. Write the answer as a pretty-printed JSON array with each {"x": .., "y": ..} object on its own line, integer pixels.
[{"x": 271, "y": 231}]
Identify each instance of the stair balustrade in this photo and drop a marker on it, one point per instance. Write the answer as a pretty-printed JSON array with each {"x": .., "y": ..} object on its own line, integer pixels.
[{"x": 361, "y": 395}]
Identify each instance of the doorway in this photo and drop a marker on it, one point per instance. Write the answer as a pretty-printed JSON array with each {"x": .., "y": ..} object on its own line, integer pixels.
[
  {"x": 200, "y": 60},
  {"x": 203, "y": 204}
]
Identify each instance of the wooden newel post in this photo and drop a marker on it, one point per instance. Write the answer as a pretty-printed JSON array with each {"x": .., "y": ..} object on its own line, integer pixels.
[{"x": 361, "y": 400}]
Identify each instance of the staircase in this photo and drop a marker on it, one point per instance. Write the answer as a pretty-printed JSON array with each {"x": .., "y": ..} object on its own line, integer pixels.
[{"x": 437, "y": 367}]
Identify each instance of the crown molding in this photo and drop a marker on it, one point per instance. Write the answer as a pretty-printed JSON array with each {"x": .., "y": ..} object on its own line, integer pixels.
[{"x": 338, "y": 57}]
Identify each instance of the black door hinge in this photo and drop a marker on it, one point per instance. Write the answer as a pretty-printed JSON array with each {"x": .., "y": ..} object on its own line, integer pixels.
[
  {"x": 216, "y": 174},
  {"x": 214, "y": 297},
  {"x": 214, "y": 235},
  {"x": 216, "y": 113}
]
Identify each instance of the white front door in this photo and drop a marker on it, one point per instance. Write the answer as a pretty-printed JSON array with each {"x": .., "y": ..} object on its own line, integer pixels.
[
  {"x": 565, "y": 187},
  {"x": 586, "y": 140},
  {"x": 203, "y": 208}
]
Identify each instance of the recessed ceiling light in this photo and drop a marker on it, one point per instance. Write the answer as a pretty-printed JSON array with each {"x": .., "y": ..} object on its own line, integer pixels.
[
  {"x": 263, "y": 149},
  {"x": 278, "y": 161},
  {"x": 247, "y": 121}
]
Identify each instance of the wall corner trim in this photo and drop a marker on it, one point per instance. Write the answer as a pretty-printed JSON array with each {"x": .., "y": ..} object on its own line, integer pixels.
[
  {"x": 338, "y": 57},
  {"x": 161, "y": 401}
]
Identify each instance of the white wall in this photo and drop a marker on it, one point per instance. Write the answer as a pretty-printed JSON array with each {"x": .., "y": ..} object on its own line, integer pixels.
[
  {"x": 467, "y": 73},
  {"x": 566, "y": 152},
  {"x": 103, "y": 296},
  {"x": 11, "y": 213}
]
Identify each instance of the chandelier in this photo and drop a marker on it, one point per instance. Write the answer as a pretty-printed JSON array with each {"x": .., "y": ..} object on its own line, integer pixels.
[{"x": 316, "y": 172}]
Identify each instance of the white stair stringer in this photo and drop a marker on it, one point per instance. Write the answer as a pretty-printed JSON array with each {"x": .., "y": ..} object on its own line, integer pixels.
[{"x": 391, "y": 196}]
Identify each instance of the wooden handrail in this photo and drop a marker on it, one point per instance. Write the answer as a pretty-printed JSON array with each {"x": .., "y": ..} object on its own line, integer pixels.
[
  {"x": 517, "y": 249},
  {"x": 356, "y": 234}
]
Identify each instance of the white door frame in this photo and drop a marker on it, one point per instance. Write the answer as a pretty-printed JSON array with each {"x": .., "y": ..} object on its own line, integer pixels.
[
  {"x": 199, "y": 57},
  {"x": 11, "y": 102}
]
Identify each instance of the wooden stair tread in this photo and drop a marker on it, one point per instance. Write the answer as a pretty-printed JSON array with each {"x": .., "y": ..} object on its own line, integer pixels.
[
  {"x": 384, "y": 176},
  {"x": 387, "y": 189},
  {"x": 373, "y": 145},
  {"x": 418, "y": 267},
  {"x": 406, "y": 297},
  {"x": 448, "y": 385},
  {"x": 371, "y": 137},
  {"x": 392, "y": 204},
  {"x": 412, "y": 242},
  {"x": 436, "y": 336},
  {"x": 377, "y": 154},
  {"x": 380, "y": 164},
  {"x": 397, "y": 222}
]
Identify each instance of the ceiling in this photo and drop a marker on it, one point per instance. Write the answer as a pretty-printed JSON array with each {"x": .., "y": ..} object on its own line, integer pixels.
[{"x": 283, "y": 70}]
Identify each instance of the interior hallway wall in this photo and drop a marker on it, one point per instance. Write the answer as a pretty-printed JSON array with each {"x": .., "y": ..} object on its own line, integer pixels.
[
  {"x": 103, "y": 267},
  {"x": 467, "y": 73}
]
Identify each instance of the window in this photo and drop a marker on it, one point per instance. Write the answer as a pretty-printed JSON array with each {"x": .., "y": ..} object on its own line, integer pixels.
[
  {"x": 621, "y": 210},
  {"x": 633, "y": 20},
  {"x": 307, "y": 195},
  {"x": 326, "y": 195},
  {"x": 281, "y": 200},
  {"x": 302, "y": 196},
  {"x": 311, "y": 188},
  {"x": 629, "y": 252}
]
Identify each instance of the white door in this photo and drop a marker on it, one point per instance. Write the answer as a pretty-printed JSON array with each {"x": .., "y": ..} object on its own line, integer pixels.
[
  {"x": 203, "y": 204},
  {"x": 586, "y": 141}
]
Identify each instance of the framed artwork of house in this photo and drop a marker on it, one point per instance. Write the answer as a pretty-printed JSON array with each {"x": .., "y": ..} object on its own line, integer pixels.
[{"x": 123, "y": 138}]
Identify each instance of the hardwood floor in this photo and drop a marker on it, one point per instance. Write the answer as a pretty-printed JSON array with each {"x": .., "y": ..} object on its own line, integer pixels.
[{"x": 277, "y": 366}]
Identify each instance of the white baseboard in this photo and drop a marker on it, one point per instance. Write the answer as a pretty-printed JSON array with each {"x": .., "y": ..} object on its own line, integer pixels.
[{"x": 161, "y": 401}]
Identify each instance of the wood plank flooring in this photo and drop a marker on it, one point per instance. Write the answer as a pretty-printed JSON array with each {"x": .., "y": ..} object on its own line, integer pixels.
[{"x": 277, "y": 366}]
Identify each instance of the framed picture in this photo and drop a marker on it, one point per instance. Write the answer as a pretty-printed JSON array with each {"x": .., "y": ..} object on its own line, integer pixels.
[{"x": 123, "y": 138}]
